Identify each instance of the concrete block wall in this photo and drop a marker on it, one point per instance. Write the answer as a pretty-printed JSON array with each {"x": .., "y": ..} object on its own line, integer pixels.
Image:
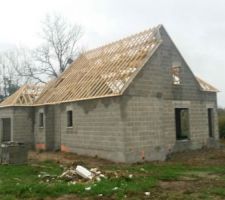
[
  {"x": 23, "y": 121},
  {"x": 97, "y": 128},
  {"x": 198, "y": 125},
  {"x": 48, "y": 137},
  {"x": 142, "y": 118},
  {"x": 188, "y": 91},
  {"x": 143, "y": 105},
  {"x": 57, "y": 127},
  {"x": 40, "y": 132},
  {"x": 49, "y": 113},
  {"x": 170, "y": 56},
  {"x": 6, "y": 112}
]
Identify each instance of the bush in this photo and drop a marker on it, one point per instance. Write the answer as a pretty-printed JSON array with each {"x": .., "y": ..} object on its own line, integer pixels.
[{"x": 221, "y": 119}]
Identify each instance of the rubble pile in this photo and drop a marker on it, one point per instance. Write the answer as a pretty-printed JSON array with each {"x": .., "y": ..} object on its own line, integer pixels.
[
  {"x": 75, "y": 175},
  {"x": 80, "y": 174}
]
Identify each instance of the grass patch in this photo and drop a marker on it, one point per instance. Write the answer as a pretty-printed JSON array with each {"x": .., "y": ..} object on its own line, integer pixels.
[
  {"x": 157, "y": 171},
  {"x": 123, "y": 185},
  {"x": 22, "y": 182},
  {"x": 219, "y": 191}
]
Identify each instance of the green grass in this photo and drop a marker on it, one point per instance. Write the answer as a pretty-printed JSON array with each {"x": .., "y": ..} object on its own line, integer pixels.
[
  {"x": 217, "y": 191},
  {"x": 22, "y": 181},
  {"x": 212, "y": 193}
]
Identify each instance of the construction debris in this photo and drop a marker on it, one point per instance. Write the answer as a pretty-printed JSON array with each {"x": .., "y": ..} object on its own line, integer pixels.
[
  {"x": 74, "y": 175},
  {"x": 82, "y": 171},
  {"x": 81, "y": 175},
  {"x": 88, "y": 188},
  {"x": 147, "y": 193},
  {"x": 68, "y": 175},
  {"x": 72, "y": 183},
  {"x": 46, "y": 177},
  {"x": 115, "y": 188},
  {"x": 130, "y": 176}
]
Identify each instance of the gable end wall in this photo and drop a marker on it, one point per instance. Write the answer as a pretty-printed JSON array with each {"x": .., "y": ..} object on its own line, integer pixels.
[{"x": 149, "y": 104}]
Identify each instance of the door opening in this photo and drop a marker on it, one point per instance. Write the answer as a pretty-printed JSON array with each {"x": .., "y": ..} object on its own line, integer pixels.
[
  {"x": 6, "y": 129},
  {"x": 210, "y": 122},
  {"x": 182, "y": 123}
]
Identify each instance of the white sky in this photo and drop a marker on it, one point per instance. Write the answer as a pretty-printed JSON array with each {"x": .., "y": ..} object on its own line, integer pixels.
[{"x": 196, "y": 26}]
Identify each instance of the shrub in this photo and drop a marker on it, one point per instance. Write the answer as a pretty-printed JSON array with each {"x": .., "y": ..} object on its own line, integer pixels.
[{"x": 221, "y": 119}]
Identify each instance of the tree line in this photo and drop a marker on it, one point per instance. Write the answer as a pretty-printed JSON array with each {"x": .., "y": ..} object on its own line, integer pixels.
[{"x": 59, "y": 46}]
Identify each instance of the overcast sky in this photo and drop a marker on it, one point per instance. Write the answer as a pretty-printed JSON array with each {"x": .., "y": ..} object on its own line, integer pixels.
[{"x": 196, "y": 26}]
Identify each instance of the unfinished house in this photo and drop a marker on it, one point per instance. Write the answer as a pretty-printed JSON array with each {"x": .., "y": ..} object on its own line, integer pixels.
[
  {"x": 131, "y": 100},
  {"x": 16, "y": 115}
]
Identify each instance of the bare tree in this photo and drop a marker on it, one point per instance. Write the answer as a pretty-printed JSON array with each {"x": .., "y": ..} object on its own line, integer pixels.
[
  {"x": 59, "y": 47},
  {"x": 16, "y": 69},
  {"x": 22, "y": 61},
  {"x": 9, "y": 78}
]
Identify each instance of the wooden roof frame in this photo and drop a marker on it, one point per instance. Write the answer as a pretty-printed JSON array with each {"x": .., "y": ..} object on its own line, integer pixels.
[
  {"x": 24, "y": 96},
  {"x": 103, "y": 72},
  {"x": 204, "y": 86}
]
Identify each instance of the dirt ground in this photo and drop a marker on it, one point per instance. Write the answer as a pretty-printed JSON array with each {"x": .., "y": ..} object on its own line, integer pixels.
[
  {"x": 209, "y": 157},
  {"x": 68, "y": 159}
]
